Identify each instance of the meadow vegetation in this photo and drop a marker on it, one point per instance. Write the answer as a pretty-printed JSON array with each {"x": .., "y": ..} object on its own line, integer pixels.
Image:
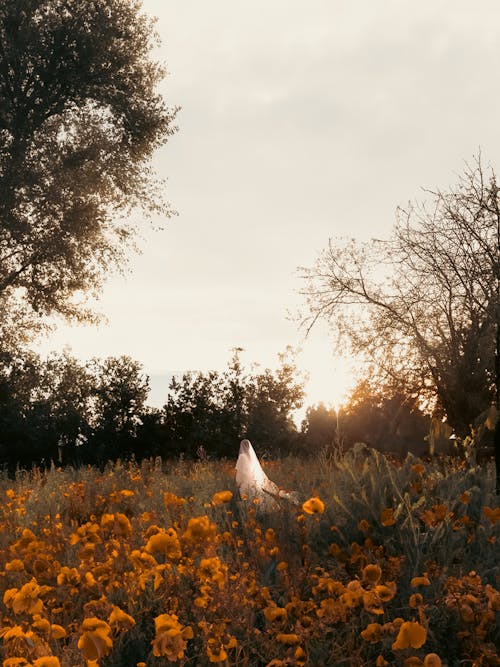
[{"x": 160, "y": 563}]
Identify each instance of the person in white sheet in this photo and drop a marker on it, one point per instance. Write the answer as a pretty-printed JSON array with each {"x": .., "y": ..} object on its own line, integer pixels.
[{"x": 253, "y": 483}]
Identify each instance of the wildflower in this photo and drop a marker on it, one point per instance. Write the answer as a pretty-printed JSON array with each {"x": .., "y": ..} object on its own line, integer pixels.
[
  {"x": 416, "y": 600},
  {"x": 381, "y": 661},
  {"x": 420, "y": 581},
  {"x": 386, "y": 591},
  {"x": 275, "y": 614},
  {"x": 313, "y": 506},
  {"x": 372, "y": 633},
  {"x": 24, "y": 599},
  {"x": 411, "y": 635},
  {"x": 363, "y": 525},
  {"x": 215, "y": 650},
  {"x": 371, "y": 574},
  {"x": 118, "y": 618},
  {"x": 387, "y": 517},
  {"x": 95, "y": 641},
  {"x": 165, "y": 542},
  {"x": 287, "y": 639},
  {"x": 47, "y": 661},
  {"x": 493, "y": 515},
  {"x": 211, "y": 569},
  {"x": 222, "y": 497},
  {"x": 69, "y": 576},
  {"x": 173, "y": 500},
  {"x": 199, "y": 529},
  {"x": 464, "y": 498},
  {"x": 418, "y": 468},
  {"x": 170, "y": 639},
  {"x": 15, "y": 565},
  {"x": 432, "y": 660}
]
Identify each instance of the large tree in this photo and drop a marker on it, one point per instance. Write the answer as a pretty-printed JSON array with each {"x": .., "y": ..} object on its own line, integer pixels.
[
  {"x": 79, "y": 120},
  {"x": 423, "y": 305}
]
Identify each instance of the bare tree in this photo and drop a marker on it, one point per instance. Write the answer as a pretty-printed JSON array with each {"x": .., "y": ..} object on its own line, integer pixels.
[{"x": 423, "y": 306}]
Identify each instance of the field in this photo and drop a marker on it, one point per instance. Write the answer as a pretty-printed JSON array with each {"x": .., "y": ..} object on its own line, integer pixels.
[{"x": 162, "y": 563}]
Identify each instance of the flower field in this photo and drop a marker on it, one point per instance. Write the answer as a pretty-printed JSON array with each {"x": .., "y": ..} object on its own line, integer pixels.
[{"x": 163, "y": 564}]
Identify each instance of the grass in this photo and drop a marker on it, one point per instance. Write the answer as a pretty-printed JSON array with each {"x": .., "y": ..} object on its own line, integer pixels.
[{"x": 159, "y": 564}]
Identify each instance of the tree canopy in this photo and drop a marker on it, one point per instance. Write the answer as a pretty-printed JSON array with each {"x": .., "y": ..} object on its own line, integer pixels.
[{"x": 79, "y": 120}]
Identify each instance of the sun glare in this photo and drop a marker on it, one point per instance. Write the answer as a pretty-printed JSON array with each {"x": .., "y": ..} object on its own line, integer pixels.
[{"x": 331, "y": 377}]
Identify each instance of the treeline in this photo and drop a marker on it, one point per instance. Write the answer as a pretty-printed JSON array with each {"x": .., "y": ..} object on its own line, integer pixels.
[{"x": 65, "y": 411}]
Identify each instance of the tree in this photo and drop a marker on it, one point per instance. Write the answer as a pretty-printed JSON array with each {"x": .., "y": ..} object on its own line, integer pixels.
[
  {"x": 79, "y": 120},
  {"x": 423, "y": 306},
  {"x": 216, "y": 410}
]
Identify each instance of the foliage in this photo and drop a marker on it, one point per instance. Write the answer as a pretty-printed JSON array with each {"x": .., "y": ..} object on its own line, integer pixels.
[
  {"x": 381, "y": 564},
  {"x": 79, "y": 120},
  {"x": 214, "y": 410}
]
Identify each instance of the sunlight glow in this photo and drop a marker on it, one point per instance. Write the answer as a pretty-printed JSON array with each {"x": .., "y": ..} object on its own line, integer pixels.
[{"x": 331, "y": 377}]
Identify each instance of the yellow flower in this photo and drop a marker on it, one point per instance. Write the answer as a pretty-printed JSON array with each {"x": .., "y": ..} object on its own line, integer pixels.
[
  {"x": 216, "y": 651},
  {"x": 15, "y": 565},
  {"x": 222, "y": 497},
  {"x": 416, "y": 600},
  {"x": 69, "y": 576},
  {"x": 16, "y": 662},
  {"x": 211, "y": 569},
  {"x": 313, "y": 506},
  {"x": 371, "y": 574},
  {"x": 493, "y": 515},
  {"x": 411, "y": 635},
  {"x": 119, "y": 618},
  {"x": 47, "y": 661},
  {"x": 372, "y": 633},
  {"x": 200, "y": 528},
  {"x": 173, "y": 500},
  {"x": 24, "y": 599},
  {"x": 363, "y": 525},
  {"x": 275, "y": 614},
  {"x": 165, "y": 542},
  {"x": 170, "y": 639},
  {"x": 387, "y": 517},
  {"x": 288, "y": 639},
  {"x": 420, "y": 581},
  {"x": 95, "y": 641}
]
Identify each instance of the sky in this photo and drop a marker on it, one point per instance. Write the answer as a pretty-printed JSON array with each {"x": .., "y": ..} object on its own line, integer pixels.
[{"x": 300, "y": 121}]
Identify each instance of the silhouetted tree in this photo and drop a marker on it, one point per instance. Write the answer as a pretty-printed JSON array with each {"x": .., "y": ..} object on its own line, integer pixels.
[{"x": 424, "y": 305}]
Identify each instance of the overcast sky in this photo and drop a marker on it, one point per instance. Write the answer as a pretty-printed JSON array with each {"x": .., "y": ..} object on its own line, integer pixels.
[{"x": 300, "y": 121}]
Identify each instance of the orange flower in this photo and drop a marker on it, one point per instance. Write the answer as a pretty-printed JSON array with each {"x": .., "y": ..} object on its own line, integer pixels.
[
  {"x": 165, "y": 542},
  {"x": 418, "y": 468},
  {"x": 222, "y": 497},
  {"x": 24, "y": 599},
  {"x": 386, "y": 591},
  {"x": 371, "y": 574},
  {"x": 288, "y": 639},
  {"x": 387, "y": 517},
  {"x": 47, "y": 661},
  {"x": 275, "y": 614},
  {"x": 493, "y": 515},
  {"x": 411, "y": 635},
  {"x": 372, "y": 633},
  {"x": 211, "y": 569},
  {"x": 173, "y": 500},
  {"x": 416, "y": 600},
  {"x": 313, "y": 506},
  {"x": 95, "y": 641},
  {"x": 200, "y": 529},
  {"x": 464, "y": 498},
  {"x": 363, "y": 525},
  {"x": 381, "y": 661},
  {"x": 420, "y": 581},
  {"x": 119, "y": 618},
  {"x": 432, "y": 660},
  {"x": 170, "y": 640}
]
